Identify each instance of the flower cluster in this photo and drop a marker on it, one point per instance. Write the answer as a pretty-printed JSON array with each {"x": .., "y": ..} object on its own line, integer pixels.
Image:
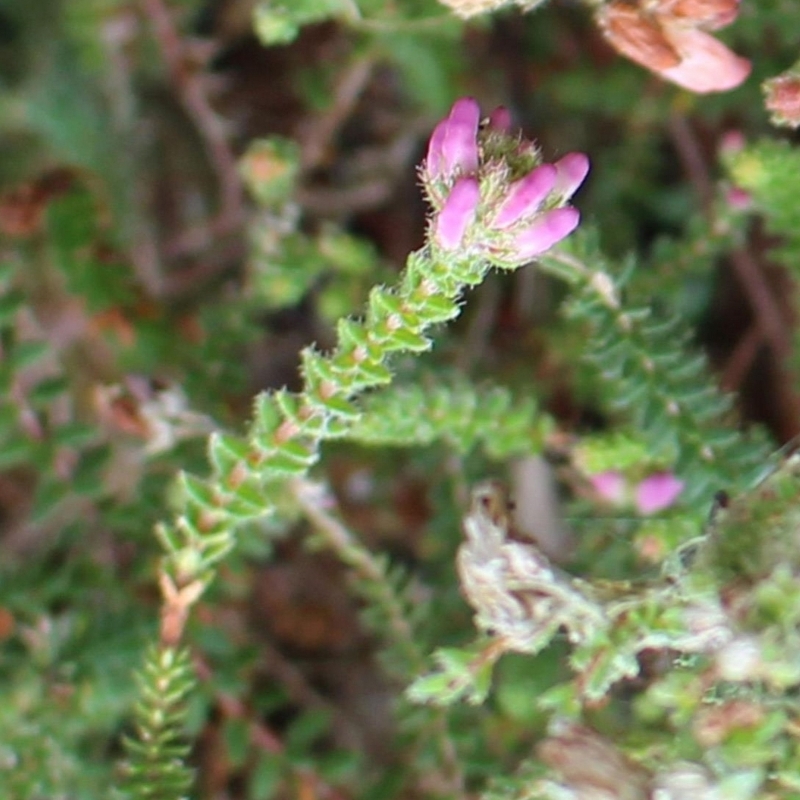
[
  {"x": 670, "y": 37},
  {"x": 652, "y": 494},
  {"x": 492, "y": 196}
]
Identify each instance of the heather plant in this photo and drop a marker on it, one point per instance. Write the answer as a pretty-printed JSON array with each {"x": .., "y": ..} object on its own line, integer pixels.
[{"x": 309, "y": 494}]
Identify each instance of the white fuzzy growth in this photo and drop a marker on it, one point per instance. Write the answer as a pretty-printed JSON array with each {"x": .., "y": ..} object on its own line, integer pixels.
[{"x": 471, "y": 8}]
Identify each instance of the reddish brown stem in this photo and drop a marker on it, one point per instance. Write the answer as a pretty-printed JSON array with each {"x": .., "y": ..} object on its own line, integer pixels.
[{"x": 189, "y": 88}]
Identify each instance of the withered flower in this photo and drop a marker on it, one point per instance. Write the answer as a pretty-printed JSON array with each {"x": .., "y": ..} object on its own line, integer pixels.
[{"x": 669, "y": 38}]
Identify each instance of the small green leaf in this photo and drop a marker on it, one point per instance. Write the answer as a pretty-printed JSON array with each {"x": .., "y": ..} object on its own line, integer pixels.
[
  {"x": 196, "y": 490},
  {"x": 10, "y": 304},
  {"x": 405, "y": 339},
  {"x": 267, "y": 415},
  {"x": 225, "y": 451},
  {"x": 47, "y": 390},
  {"x": 26, "y": 354},
  {"x": 265, "y": 779},
  {"x": 17, "y": 451},
  {"x": 439, "y": 309},
  {"x": 236, "y": 734},
  {"x": 352, "y": 334},
  {"x": 382, "y": 304},
  {"x": 305, "y": 731}
]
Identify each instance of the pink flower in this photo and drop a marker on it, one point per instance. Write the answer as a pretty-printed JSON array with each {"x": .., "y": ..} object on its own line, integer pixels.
[
  {"x": 457, "y": 214},
  {"x": 706, "y": 64},
  {"x": 453, "y": 147},
  {"x": 526, "y": 195},
  {"x": 739, "y": 199},
  {"x": 546, "y": 231},
  {"x": 657, "y": 491},
  {"x": 610, "y": 485}
]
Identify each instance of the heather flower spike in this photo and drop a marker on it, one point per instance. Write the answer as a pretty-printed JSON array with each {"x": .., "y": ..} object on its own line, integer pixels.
[
  {"x": 457, "y": 213},
  {"x": 489, "y": 189}
]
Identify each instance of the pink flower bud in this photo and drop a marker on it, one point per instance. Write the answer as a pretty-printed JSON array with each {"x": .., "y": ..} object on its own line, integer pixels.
[
  {"x": 739, "y": 199},
  {"x": 572, "y": 171},
  {"x": 453, "y": 147},
  {"x": 500, "y": 119},
  {"x": 548, "y": 229},
  {"x": 457, "y": 213},
  {"x": 658, "y": 491},
  {"x": 610, "y": 485},
  {"x": 732, "y": 142},
  {"x": 525, "y": 196}
]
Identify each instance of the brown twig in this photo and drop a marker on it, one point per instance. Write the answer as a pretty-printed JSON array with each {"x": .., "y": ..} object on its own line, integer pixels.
[
  {"x": 191, "y": 93},
  {"x": 742, "y": 358},
  {"x": 692, "y": 158},
  {"x": 319, "y": 134},
  {"x": 262, "y": 737},
  {"x": 768, "y": 314}
]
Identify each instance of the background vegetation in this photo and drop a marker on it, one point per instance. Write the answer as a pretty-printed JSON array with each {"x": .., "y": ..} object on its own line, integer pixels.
[{"x": 193, "y": 191}]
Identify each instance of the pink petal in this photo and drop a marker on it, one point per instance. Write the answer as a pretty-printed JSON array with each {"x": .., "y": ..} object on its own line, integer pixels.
[
  {"x": 453, "y": 146},
  {"x": 658, "y": 491},
  {"x": 525, "y": 196},
  {"x": 706, "y": 65},
  {"x": 457, "y": 213},
  {"x": 610, "y": 485},
  {"x": 434, "y": 163},
  {"x": 572, "y": 171},
  {"x": 460, "y": 147},
  {"x": 550, "y": 228}
]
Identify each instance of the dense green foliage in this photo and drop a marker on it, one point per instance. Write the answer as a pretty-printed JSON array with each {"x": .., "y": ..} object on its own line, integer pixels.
[{"x": 248, "y": 388}]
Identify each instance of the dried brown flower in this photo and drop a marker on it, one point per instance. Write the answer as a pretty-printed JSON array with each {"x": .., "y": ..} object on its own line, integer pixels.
[
  {"x": 591, "y": 766},
  {"x": 637, "y": 35},
  {"x": 708, "y": 14},
  {"x": 667, "y": 37},
  {"x": 517, "y": 594}
]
